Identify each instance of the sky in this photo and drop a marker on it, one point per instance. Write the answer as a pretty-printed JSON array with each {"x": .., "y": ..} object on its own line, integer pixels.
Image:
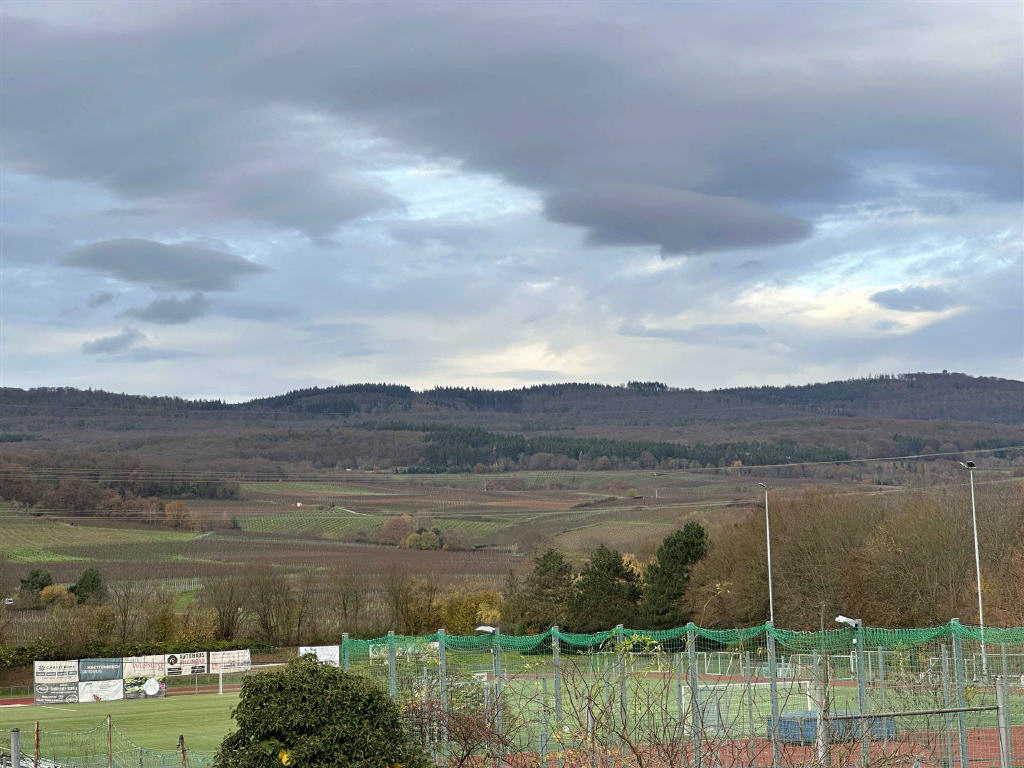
[{"x": 229, "y": 200}]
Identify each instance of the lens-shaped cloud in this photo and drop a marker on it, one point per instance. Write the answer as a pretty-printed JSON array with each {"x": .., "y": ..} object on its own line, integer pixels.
[
  {"x": 111, "y": 345},
  {"x": 915, "y": 298},
  {"x": 677, "y": 220},
  {"x": 168, "y": 267},
  {"x": 172, "y": 310}
]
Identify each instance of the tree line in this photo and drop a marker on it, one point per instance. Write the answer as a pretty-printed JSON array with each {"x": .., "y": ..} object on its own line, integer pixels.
[{"x": 463, "y": 449}]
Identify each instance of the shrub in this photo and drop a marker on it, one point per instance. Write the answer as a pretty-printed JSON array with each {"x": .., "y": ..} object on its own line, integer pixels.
[{"x": 316, "y": 716}]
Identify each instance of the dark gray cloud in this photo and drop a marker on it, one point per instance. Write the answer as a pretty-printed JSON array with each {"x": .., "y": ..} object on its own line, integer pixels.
[
  {"x": 787, "y": 109},
  {"x": 400, "y": 167},
  {"x": 100, "y": 298},
  {"x": 172, "y": 310},
  {"x": 915, "y": 298},
  {"x": 679, "y": 221},
  {"x": 169, "y": 267},
  {"x": 110, "y": 345}
]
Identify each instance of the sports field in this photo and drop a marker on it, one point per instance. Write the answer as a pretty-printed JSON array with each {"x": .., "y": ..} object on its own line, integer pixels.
[{"x": 154, "y": 724}]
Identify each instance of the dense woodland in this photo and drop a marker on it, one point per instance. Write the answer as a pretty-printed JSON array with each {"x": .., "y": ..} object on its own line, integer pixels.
[
  {"x": 900, "y": 558},
  {"x": 565, "y": 426}
]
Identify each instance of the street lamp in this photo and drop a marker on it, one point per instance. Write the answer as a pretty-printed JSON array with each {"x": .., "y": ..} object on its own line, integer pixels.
[
  {"x": 768, "y": 539},
  {"x": 970, "y": 466}
]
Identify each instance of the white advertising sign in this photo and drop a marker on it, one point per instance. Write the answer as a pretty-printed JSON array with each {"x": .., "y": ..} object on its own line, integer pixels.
[
  {"x": 230, "y": 661},
  {"x": 186, "y": 663},
  {"x": 325, "y": 654},
  {"x": 101, "y": 690},
  {"x": 56, "y": 671},
  {"x": 144, "y": 666}
]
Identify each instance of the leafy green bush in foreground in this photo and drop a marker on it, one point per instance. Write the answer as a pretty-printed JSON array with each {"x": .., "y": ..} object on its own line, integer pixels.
[{"x": 316, "y": 716}]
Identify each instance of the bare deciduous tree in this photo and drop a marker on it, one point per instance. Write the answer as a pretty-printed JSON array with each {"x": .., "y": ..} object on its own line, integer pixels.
[{"x": 226, "y": 596}]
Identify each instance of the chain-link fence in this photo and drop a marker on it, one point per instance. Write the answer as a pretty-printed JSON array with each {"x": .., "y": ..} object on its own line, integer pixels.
[
  {"x": 103, "y": 746},
  {"x": 949, "y": 696},
  {"x": 709, "y": 698}
]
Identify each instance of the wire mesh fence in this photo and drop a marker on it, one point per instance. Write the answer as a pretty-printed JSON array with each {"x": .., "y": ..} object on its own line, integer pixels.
[
  {"x": 102, "y": 746},
  {"x": 949, "y": 696},
  {"x": 709, "y": 698}
]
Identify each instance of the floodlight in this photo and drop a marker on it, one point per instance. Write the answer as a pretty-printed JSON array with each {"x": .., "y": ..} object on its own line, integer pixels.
[
  {"x": 487, "y": 630},
  {"x": 968, "y": 464},
  {"x": 847, "y": 621}
]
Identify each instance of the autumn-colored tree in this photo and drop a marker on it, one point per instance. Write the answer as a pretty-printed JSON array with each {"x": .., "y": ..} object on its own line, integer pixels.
[
  {"x": 395, "y": 529},
  {"x": 463, "y": 610}
]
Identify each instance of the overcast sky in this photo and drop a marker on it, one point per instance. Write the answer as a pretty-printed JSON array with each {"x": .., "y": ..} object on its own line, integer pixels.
[{"x": 237, "y": 199}]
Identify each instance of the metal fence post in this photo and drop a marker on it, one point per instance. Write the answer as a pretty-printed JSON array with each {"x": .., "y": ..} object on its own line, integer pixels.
[
  {"x": 556, "y": 662},
  {"x": 542, "y": 747},
  {"x": 442, "y": 686},
  {"x": 773, "y": 692},
  {"x": 947, "y": 696},
  {"x": 748, "y": 675},
  {"x": 620, "y": 648},
  {"x": 1002, "y": 653},
  {"x": 821, "y": 705},
  {"x": 881, "y": 698},
  {"x": 16, "y": 747},
  {"x": 961, "y": 695},
  {"x": 344, "y": 651},
  {"x": 1005, "y": 756},
  {"x": 862, "y": 698},
  {"x": 392, "y": 671},
  {"x": 442, "y": 668},
  {"x": 692, "y": 676},
  {"x": 498, "y": 704}
]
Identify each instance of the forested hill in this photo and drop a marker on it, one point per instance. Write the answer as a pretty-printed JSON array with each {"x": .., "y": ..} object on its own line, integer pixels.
[{"x": 916, "y": 396}]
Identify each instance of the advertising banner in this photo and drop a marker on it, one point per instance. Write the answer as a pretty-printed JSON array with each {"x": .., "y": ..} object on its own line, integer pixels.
[
  {"x": 56, "y": 693},
  {"x": 98, "y": 669},
  {"x": 325, "y": 654},
  {"x": 145, "y": 687},
  {"x": 101, "y": 690},
  {"x": 230, "y": 661},
  {"x": 144, "y": 666},
  {"x": 56, "y": 671},
  {"x": 186, "y": 663}
]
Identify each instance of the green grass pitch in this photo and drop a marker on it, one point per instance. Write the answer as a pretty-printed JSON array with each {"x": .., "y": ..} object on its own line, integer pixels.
[{"x": 152, "y": 723}]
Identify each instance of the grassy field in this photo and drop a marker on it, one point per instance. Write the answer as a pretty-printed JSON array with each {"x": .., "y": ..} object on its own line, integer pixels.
[
  {"x": 291, "y": 488},
  {"x": 152, "y": 723},
  {"x": 45, "y": 534}
]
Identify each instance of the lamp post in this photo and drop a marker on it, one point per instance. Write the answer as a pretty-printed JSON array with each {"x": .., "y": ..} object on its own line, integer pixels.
[
  {"x": 970, "y": 466},
  {"x": 768, "y": 539}
]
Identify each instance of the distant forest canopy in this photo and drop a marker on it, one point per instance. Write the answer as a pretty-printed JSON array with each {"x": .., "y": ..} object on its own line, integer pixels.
[
  {"x": 641, "y": 425},
  {"x": 944, "y": 395},
  {"x": 461, "y": 449}
]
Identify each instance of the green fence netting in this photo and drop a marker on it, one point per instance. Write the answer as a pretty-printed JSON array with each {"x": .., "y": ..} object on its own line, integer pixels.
[{"x": 827, "y": 641}]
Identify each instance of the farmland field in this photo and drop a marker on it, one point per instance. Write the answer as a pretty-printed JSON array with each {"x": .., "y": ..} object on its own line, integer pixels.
[
  {"x": 334, "y": 525},
  {"x": 45, "y": 533}
]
